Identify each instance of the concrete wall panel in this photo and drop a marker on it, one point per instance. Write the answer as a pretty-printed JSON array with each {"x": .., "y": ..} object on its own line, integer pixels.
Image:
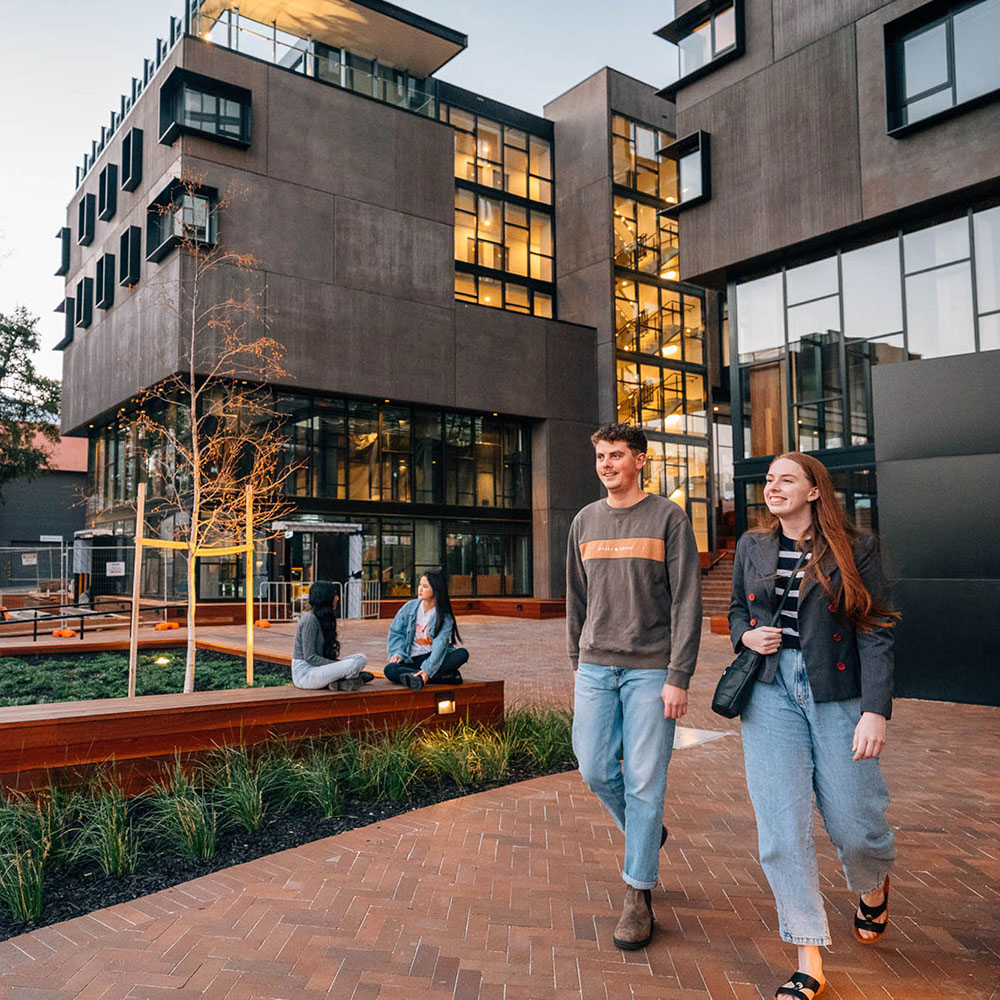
[
  {"x": 425, "y": 164},
  {"x": 798, "y": 24},
  {"x": 331, "y": 139},
  {"x": 379, "y": 250},
  {"x": 783, "y": 169}
]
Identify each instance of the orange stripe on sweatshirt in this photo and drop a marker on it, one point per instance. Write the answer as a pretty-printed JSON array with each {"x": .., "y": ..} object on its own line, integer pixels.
[{"x": 623, "y": 548}]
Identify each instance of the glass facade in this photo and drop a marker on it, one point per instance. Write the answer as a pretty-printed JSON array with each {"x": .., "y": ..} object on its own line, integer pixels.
[
  {"x": 504, "y": 228},
  {"x": 430, "y": 488},
  {"x": 661, "y": 374},
  {"x": 807, "y": 337}
]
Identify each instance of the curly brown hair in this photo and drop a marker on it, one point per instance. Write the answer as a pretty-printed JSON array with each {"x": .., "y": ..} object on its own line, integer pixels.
[{"x": 628, "y": 433}]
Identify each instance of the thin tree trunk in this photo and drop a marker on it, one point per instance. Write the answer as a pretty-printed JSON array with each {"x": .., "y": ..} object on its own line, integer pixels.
[{"x": 192, "y": 607}]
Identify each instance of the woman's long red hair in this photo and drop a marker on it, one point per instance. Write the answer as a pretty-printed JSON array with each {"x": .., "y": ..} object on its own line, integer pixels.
[{"x": 834, "y": 534}]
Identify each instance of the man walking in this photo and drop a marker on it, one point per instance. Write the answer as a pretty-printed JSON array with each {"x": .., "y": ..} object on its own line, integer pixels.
[{"x": 633, "y": 618}]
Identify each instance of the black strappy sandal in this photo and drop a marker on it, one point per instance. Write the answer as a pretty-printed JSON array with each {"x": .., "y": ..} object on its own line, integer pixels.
[
  {"x": 800, "y": 981},
  {"x": 868, "y": 921}
]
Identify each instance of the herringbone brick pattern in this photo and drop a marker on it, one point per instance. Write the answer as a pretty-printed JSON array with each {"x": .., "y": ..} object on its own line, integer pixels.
[{"x": 514, "y": 893}]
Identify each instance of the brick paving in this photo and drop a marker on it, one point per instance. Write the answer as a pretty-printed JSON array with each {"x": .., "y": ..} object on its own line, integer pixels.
[{"x": 514, "y": 893}]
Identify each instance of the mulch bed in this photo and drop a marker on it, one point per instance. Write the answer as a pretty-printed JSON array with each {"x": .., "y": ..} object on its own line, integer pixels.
[{"x": 72, "y": 894}]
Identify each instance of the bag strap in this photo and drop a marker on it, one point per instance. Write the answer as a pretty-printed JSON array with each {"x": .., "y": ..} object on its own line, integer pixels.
[{"x": 784, "y": 596}]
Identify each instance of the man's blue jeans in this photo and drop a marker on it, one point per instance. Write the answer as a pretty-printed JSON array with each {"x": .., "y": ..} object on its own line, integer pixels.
[
  {"x": 796, "y": 748},
  {"x": 618, "y": 717}
]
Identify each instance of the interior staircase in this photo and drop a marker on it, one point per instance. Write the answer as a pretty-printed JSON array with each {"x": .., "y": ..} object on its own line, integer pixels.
[{"x": 717, "y": 585}]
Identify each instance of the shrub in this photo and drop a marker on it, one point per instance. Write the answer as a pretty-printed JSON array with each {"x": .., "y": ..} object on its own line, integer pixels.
[
  {"x": 242, "y": 782},
  {"x": 21, "y": 884},
  {"x": 465, "y": 753},
  {"x": 316, "y": 774},
  {"x": 540, "y": 735},
  {"x": 182, "y": 816},
  {"x": 108, "y": 837},
  {"x": 379, "y": 763}
]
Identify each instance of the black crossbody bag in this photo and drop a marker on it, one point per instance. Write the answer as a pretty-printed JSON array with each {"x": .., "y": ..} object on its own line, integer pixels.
[{"x": 737, "y": 680}]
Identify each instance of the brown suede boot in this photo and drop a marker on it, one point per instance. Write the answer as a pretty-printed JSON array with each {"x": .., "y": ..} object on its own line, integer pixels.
[{"x": 635, "y": 928}]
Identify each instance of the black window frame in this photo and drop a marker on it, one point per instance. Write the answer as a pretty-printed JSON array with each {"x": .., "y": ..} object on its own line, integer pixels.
[
  {"x": 131, "y": 172},
  {"x": 685, "y": 25},
  {"x": 84, "y": 314},
  {"x": 107, "y": 192},
  {"x": 86, "y": 215},
  {"x": 693, "y": 144},
  {"x": 129, "y": 256},
  {"x": 159, "y": 242},
  {"x": 895, "y": 34},
  {"x": 68, "y": 308},
  {"x": 105, "y": 281},
  {"x": 63, "y": 235},
  {"x": 172, "y": 100}
]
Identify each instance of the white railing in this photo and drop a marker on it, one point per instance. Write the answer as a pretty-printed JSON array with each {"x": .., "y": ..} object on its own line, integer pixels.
[{"x": 288, "y": 600}]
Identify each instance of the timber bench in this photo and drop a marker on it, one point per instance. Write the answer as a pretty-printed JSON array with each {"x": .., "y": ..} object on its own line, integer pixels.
[{"x": 63, "y": 742}]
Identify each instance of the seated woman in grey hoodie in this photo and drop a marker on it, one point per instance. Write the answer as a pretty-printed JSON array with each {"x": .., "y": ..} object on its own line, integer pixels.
[{"x": 316, "y": 659}]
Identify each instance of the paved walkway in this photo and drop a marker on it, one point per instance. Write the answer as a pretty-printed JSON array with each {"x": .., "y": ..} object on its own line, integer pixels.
[{"x": 514, "y": 893}]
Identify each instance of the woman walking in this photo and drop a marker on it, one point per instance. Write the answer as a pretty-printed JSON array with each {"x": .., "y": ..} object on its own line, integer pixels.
[
  {"x": 423, "y": 638},
  {"x": 816, "y": 720},
  {"x": 316, "y": 659}
]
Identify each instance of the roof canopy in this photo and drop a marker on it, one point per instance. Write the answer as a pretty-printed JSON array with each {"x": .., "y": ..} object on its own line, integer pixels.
[{"x": 370, "y": 28}]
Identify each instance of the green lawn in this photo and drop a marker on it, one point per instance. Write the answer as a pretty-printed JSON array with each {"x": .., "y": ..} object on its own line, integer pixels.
[{"x": 27, "y": 680}]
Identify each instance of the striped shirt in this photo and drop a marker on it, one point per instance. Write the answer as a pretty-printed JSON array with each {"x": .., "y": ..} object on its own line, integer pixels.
[{"x": 788, "y": 556}]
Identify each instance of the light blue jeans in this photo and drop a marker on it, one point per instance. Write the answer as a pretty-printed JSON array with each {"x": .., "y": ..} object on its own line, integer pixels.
[
  {"x": 618, "y": 717},
  {"x": 314, "y": 678},
  {"x": 794, "y": 749}
]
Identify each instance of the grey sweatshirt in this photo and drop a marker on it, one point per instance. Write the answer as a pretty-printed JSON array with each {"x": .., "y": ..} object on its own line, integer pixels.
[
  {"x": 309, "y": 641},
  {"x": 633, "y": 588}
]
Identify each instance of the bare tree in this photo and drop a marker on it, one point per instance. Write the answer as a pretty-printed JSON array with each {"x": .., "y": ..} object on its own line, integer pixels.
[{"x": 213, "y": 428}]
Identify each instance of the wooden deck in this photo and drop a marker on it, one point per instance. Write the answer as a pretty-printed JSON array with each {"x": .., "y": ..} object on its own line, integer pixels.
[{"x": 65, "y": 741}]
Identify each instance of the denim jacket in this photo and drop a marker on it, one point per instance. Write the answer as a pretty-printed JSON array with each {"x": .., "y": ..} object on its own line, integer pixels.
[{"x": 403, "y": 629}]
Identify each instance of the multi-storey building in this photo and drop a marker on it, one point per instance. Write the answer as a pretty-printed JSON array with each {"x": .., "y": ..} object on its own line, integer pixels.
[
  {"x": 843, "y": 190},
  {"x": 421, "y": 269}
]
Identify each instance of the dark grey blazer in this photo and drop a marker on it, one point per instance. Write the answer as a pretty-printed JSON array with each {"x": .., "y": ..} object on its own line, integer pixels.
[{"x": 841, "y": 662}]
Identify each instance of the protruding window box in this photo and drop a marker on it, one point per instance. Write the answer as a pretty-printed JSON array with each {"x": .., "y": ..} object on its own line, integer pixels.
[
  {"x": 180, "y": 214},
  {"x": 694, "y": 171},
  {"x": 192, "y": 104},
  {"x": 129, "y": 256},
  {"x": 107, "y": 192},
  {"x": 67, "y": 308},
  {"x": 86, "y": 220},
  {"x": 84, "y": 302},
  {"x": 940, "y": 60},
  {"x": 63, "y": 235},
  {"x": 707, "y": 36},
  {"x": 106, "y": 281},
  {"x": 132, "y": 160}
]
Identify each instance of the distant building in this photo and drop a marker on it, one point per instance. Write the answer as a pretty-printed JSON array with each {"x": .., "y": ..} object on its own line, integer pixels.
[{"x": 464, "y": 291}]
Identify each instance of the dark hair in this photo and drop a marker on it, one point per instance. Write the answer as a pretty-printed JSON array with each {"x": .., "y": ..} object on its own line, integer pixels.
[
  {"x": 442, "y": 603},
  {"x": 628, "y": 433},
  {"x": 322, "y": 594},
  {"x": 833, "y": 534}
]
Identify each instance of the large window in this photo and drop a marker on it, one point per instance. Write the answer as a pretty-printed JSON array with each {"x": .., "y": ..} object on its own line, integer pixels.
[
  {"x": 807, "y": 337},
  {"x": 940, "y": 57},
  {"x": 86, "y": 217},
  {"x": 707, "y": 35},
  {"x": 504, "y": 230},
  {"x": 645, "y": 240},
  {"x": 63, "y": 236},
  {"x": 659, "y": 322},
  {"x": 132, "y": 159},
  {"x": 129, "y": 256},
  {"x": 107, "y": 192},
  {"x": 637, "y": 164},
  {"x": 105, "y": 281},
  {"x": 199, "y": 105},
  {"x": 180, "y": 213}
]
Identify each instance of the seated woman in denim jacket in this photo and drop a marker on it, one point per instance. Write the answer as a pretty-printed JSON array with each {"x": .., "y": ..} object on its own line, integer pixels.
[{"x": 423, "y": 638}]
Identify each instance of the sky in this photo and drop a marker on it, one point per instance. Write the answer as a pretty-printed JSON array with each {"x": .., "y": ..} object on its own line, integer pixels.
[{"x": 64, "y": 64}]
